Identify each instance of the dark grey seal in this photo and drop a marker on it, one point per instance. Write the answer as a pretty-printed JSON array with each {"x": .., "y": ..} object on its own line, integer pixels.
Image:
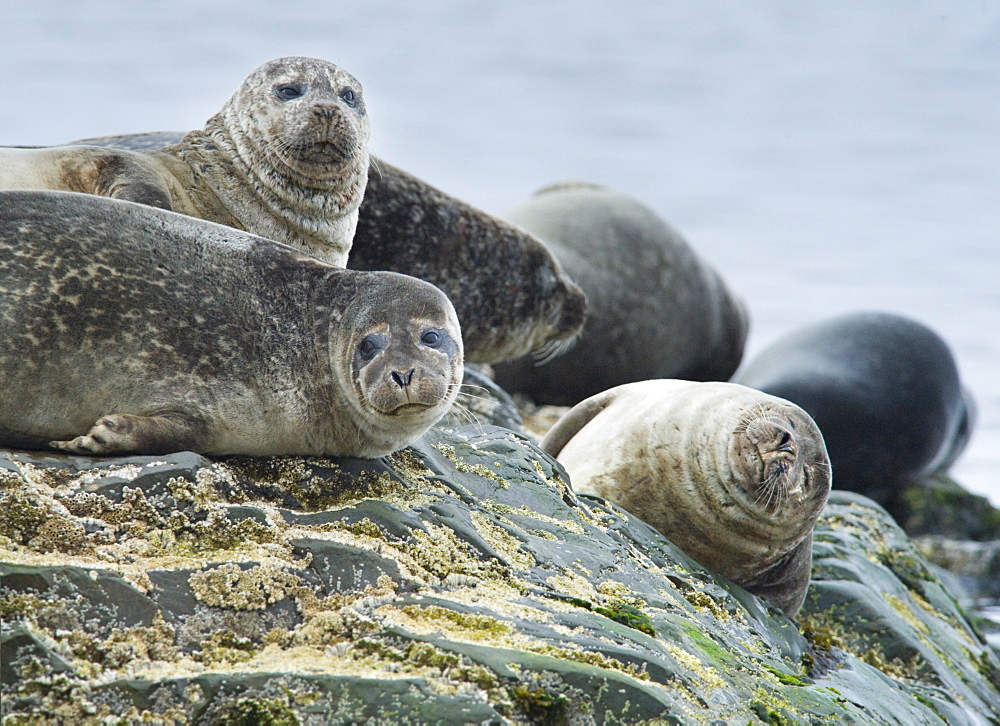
[
  {"x": 655, "y": 308},
  {"x": 884, "y": 390}
]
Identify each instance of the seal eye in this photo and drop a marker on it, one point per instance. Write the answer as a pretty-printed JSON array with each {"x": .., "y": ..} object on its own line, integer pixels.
[
  {"x": 349, "y": 97},
  {"x": 288, "y": 91},
  {"x": 431, "y": 338},
  {"x": 368, "y": 348}
]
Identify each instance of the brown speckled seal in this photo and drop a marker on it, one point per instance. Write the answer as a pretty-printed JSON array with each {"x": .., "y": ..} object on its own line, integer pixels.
[
  {"x": 511, "y": 295},
  {"x": 285, "y": 158},
  {"x": 732, "y": 476},
  {"x": 132, "y": 329}
]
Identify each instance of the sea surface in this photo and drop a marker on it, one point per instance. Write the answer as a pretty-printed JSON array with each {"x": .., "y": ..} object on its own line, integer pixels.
[{"x": 825, "y": 157}]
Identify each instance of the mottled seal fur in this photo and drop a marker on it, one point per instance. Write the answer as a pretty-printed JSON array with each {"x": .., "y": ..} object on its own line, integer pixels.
[
  {"x": 883, "y": 388},
  {"x": 656, "y": 309},
  {"x": 511, "y": 295},
  {"x": 285, "y": 158},
  {"x": 126, "y": 328},
  {"x": 732, "y": 476}
]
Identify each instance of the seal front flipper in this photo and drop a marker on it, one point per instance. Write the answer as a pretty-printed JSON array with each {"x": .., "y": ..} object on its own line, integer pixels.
[
  {"x": 122, "y": 177},
  {"x": 120, "y": 433}
]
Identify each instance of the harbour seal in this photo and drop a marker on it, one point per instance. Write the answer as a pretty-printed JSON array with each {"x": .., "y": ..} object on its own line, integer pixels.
[
  {"x": 285, "y": 158},
  {"x": 883, "y": 388},
  {"x": 656, "y": 310},
  {"x": 512, "y": 296},
  {"x": 732, "y": 476},
  {"x": 132, "y": 329}
]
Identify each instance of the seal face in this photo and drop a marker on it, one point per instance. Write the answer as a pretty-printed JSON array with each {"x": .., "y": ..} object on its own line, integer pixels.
[
  {"x": 132, "y": 329},
  {"x": 885, "y": 391},
  {"x": 655, "y": 309},
  {"x": 734, "y": 477},
  {"x": 285, "y": 158}
]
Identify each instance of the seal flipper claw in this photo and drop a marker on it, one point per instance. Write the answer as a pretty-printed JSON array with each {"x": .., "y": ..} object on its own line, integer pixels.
[{"x": 120, "y": 433}]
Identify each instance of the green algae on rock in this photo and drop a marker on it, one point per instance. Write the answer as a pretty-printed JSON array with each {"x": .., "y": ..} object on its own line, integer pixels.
[{"x": 458, "y": 581}]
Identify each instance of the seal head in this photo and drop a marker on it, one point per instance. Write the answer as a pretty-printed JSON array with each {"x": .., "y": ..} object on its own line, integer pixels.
[
  {"x": 732, "y": 476},
  {"x": 405, "y": 363},
  {"x": 296, "y": 135}
]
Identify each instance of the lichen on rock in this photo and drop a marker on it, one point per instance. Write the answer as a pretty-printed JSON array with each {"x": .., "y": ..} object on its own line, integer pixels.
[{"x": 460, "y": 580}]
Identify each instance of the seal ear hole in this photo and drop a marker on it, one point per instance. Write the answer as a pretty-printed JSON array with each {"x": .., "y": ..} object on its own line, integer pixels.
[
  {"x": 289, "y": 91},
  {"x": 349, "y": 96}
]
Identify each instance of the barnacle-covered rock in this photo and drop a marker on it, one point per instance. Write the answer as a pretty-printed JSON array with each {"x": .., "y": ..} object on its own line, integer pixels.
[{"x": 460, "y": 580}]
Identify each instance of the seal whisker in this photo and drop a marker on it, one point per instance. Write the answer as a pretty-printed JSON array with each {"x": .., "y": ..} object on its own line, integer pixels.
[{"x": 376, "y": 167}]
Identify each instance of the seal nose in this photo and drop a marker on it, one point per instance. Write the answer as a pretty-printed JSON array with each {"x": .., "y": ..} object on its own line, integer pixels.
[
  {"x": 403, "y": 379},
  {"x": 324, "y": 111}
]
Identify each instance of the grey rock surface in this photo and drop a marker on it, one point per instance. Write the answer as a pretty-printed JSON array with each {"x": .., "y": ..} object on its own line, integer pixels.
[{"x": 458, "y": 581}]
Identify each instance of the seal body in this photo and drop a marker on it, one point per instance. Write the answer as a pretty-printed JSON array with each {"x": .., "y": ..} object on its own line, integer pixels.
[
  {"x": 512, "y": 296},
  {"x": 656, "y": 310},
  {"x": 732, "y": 476},
  {"x": 285, "y": 158},
  {"x": 883, "y": 388},
  {"x": 126, "y": 328}
]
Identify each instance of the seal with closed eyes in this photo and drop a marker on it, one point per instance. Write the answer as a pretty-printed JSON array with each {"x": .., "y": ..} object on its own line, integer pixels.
[
  {"x": 732, "y": 476},
  {"x": 129, "y": 329},
  {"x": 286, "y": 158}
]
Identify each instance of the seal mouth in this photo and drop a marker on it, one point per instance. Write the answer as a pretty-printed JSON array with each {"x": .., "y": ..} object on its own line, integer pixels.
[
  {"x": 408, "y": 409},
  {"x": 322, "y": 153}
]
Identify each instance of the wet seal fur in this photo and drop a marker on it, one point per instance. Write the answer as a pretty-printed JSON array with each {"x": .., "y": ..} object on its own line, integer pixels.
[
  {"x": 884, "y": 390},
  {"x": 732, "y": 476},
  {"x": 656, "y": 309},
  {"x": 131, "y": 329},
  {"x": 512, "y": 296},
  {"x": 286, "y": 158}
]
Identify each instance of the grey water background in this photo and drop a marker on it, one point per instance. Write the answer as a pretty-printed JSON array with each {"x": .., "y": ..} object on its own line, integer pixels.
[{"x": 825, "y": 157}]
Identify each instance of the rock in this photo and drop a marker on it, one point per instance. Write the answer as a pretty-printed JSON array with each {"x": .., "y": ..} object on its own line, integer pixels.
[
  {"x": 938, "y": 505},
  {"x": 458, "y": 581}
]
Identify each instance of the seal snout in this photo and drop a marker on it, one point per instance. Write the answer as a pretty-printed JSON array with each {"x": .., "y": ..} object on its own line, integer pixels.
[
  {"x": 774, "y": 447},
  {"x": 325, "y": 111}
]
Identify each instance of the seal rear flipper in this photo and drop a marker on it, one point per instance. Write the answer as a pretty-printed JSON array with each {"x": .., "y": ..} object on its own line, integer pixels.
[
  {"x": 159, "y": 433},
  {"x": 575, "y": 419}
]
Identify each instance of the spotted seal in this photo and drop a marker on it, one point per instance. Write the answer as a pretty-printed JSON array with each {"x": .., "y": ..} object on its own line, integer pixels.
[
  {"x": 512, "y": 296},
  {"x": 883, "y": 388},
  {"x": 127, "y": 328},
  {"x": 656, "y": 309},
  {"x": 732, "y": 476},
  {"x": 285, "y": 158}
]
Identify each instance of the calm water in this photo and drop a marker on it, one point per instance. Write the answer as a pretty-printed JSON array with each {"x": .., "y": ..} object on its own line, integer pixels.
[{"x": 825, "y": 158}]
